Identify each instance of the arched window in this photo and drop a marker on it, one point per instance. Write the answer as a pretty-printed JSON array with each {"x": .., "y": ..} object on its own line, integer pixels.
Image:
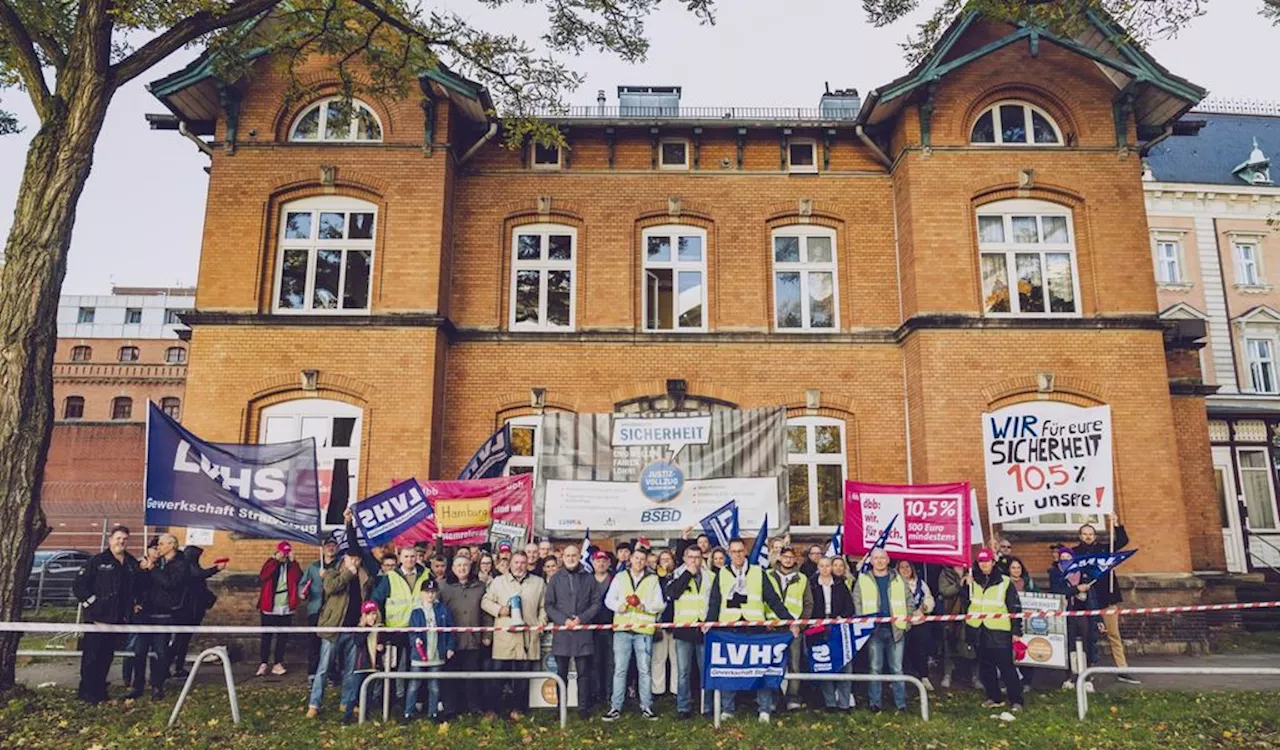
[
  {"x": 73, "y": 407},
  {"x": 175, "y": 355},
  {"x": 325, "y": 263},
  {"x": 804, "y": 279},
  {"x": 675, "y": 278},
  {"x": 128, "y": 354},
  {"x": 337, "y": 119},
  {"x": 81, "y": 353},
  {"x": 336, "y": 426},
  {"x": 1016, "y": 123},
  {"x": 121, "y": 407},
  {"x": 817, "y": 466},
  {"x": 1028, "y": 246},
  {"x": 542, "y": 275},
  {"x": 171, "y": 406}
]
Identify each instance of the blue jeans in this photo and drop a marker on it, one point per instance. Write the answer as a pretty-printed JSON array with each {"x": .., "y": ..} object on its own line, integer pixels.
[
  {"x": 332, "y": 649},
  {"x": 764, "y": 701},
  {"x": 688, "y": 659},
  {"x": 348, "y": 646},
  {"x": 624, "y": 645},
  {"x": 837, "y": 694},
  {"x": 433, "y": 691},
  {"x": 886, "y": 653}
]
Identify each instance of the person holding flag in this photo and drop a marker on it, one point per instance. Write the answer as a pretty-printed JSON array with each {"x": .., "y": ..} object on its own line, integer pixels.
[
  {"x": 831, "y": 598},
  {"x": 739, "y": 594},
  {"x": 1105, "y": 589}
]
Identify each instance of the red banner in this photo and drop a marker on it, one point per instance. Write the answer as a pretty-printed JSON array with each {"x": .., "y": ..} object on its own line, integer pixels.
[
  {"x": 482, "y": 510},
  {"x": 932, "y": 520}
]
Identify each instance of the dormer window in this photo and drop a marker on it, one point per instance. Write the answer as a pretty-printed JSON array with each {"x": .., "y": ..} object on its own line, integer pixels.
[
  {"x": 1256, "y": 170},
  {"x": 546, "y": 157},
  {"x": 337, "y": 119},
  {"x": 1015, "y": 123}
]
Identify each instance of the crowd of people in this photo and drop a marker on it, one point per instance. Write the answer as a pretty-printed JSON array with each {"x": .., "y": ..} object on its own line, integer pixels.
[{"x": 691, "y": 584}]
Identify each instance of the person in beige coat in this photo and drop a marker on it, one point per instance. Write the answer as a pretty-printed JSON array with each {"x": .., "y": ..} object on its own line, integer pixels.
[{"x": 519, "y": 651}]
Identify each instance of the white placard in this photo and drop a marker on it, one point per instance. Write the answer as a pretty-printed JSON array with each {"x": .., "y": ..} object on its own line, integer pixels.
[
  {"x": 615, "y": 507},
  {"x": 1044, "y": 637},
  {"x": 1047, "y": 457},
  {"x": 198, "y": 536}
]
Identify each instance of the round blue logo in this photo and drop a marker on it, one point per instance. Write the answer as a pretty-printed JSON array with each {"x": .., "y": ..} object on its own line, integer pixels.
[{"x": 661, "y": 481}]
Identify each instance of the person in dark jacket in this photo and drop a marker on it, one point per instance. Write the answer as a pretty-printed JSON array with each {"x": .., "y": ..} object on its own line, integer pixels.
[
  {"x": 311, "y": 591},
  {"x": 1107, "y": 593},
  {"x": 462, "y": 598},
  {"x": 106, "y": 588},
  {"x": 167, "y": 590},
  {"x": 601, "y": 674},
  {"x": 988, "y": 591},
  {"x": 831, "y": 598},
  {"x": 345, "y": 589},
  {"x": 689, "y": 592},
  {"x": 571, "y": 600},
  {"x": 199, "y": 601}
]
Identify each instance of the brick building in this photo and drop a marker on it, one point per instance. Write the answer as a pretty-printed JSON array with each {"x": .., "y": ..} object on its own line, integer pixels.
[
  {"x": 398, "y": 285},
  {"x": 115, "y": 352}
]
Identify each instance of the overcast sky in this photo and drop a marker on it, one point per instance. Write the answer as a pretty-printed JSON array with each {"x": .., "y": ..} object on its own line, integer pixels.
[{"x": 141, "y": 215}]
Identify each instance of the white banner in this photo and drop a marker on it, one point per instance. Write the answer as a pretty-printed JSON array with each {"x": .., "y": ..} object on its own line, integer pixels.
[
  {"x": 198, "y": 536},
  {"x": 1047, "y": 457},
  {"x": 575, "y": 505},
  {"x": 1044, "y": 637}
]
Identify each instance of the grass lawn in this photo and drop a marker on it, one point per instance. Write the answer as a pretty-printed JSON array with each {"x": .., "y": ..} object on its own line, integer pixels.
[{"x": 273, "y": 718}]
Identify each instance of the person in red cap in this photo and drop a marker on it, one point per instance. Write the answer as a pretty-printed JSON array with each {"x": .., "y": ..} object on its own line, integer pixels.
[
  {"x": 367, "y": 649},
  {"x": 277, "y": 599},
  {"x": 990, "y": 592}
]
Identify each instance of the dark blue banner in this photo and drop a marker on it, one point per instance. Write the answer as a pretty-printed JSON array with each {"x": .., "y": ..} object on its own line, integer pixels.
[
  {"x": 384, "y": 517},
  {"x": 267, "y": 491},
  {"x": 722, "y": 524},
  {"x": 1098, "y": 565},
  {"x": 489, "y": 461},
  {"x": 836, "y": 645},
  {"x": 744, "y": 661}
]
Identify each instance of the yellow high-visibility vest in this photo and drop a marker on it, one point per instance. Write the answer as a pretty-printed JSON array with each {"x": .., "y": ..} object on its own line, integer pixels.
[
  {"x": 869, "y": 592},
  {"x": 793, "y": 596},
  {"x": 691, "y": 605},
  {"x": 986, "y": 600},
  {"x": 633, "y": 616},
  {"x": 753, "y": 610},
  {"x": 404, "y": 597}
]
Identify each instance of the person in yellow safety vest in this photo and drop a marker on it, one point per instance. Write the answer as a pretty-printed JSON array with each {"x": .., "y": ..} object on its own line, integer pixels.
[
  {"x": 635, "y": 597},
  {"x": 740, "y": 593},
  {"x": 397, "y": 593},
  {"x": 690, "y": 591},
  {"x": 793, "y": 587},
  {"x": 991, "y": 592},
  {"x": 880, "y": 592}
]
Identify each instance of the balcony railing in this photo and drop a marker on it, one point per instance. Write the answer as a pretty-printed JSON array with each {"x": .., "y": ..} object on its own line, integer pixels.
[
  {"x": 1223, "y": 106},
  {"x": 744, "y": 114}
]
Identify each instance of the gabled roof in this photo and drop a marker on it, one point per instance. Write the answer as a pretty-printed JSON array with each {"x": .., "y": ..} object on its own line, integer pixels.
[
  {"x": 1182, "y": 311},
  {"x": 1259, "y": 314},
  {"x": 1160, "y": 96},
  {"x": 1212, "y": 155}
]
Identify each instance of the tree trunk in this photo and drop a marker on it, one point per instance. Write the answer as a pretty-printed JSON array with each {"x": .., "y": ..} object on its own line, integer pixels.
[{"x": 35, "y": 261}]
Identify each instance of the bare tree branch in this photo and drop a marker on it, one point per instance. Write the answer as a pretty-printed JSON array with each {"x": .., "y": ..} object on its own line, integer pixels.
[
  {"x": 184, "y": 32},
  {"x": 25, "y": 60}
]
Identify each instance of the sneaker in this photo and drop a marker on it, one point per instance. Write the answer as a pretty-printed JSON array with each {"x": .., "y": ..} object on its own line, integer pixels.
[
  {"x": 157, "y": 693},
  {"x": 794, "y": 706},
  {"x": 874, "y": 709},
  {"x": 262, "y": 669},
  {"x": 946, "y": 682},
  {"x": 278, "y": 670},
  {"x": 612, "y": 714},
  {"x": 927, "y": 685},
  {"x": 1016, "y": 708},
  {"x": 992, "y": 704},
  {"x": 1069, "y": 685},
  {"x": 312, "y": 712},
  {"x": 1088, "y": 686},
  {"x": 764, "y": 717},
  {"x": 1128, "y": 678},
  {"x": 648, "y": 714},
  {"x": 684, "y": 715},
  {"x": 725, "y": 716}
]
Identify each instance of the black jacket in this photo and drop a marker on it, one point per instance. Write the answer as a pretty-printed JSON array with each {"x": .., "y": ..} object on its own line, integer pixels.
[
  {"x": 167, "y": 587},
  {"x": 1106, "y": 596},
  {"x": 199, "y": 598},
  {"x": 572, "y": 593},
  {"x": 841, "y": 599},
  {"x": 108, "y": 588},
  {"x": 987, "y": 637}
]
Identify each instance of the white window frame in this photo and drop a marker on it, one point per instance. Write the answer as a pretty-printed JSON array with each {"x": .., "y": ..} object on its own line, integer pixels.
[
  {"x": 1028, "y": 109},
  {"x": 803, "y": 168},
  {"x": 1238, "y": 244},
  {"x": 804, "y": 268},
  {"x": 537, "y": 166},
  {"x": 533, "y": 422},
  {"x": 1267, "y": 470},
  {"x": 135, "y": 351},
  {"x": 543, "y": 266},
  {"x": 313, "y": 245},
  {"x": 1257, "y": 366},
  {"x": 298, "y": 418},
  {"x": 812, "y": 459},
  {"x": 673, "y": 232},
  {"x": 1007, "y": 210},
  {"x": 180, "y": 359},
  {"x": 682, "y": 166},
  {"x": 323, "y": 106},
  {"x": 1159, "y": 244},
  {"x": 86, "y": 315}
]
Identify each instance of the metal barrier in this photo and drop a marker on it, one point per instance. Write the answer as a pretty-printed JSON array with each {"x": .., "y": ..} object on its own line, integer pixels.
[
  {"x": 45, "y": 652},
  {"x": 846, "y": 677},
  {"x": 1082, "y": 697},
  {"x": 562, "y": 698},
  {"x": 221, "y": 653}
]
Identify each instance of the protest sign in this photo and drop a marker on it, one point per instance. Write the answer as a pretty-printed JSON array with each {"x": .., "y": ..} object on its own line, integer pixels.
[
  {"x": 466, "y": 512},
  {"x": 397, "y": 513},
  {"x": 932, "y": 526},
  {"x": 1047, "y": 457},
  {"x": 265, "y": 491},
  {"x": 1100, "y": 564},
  {"x": 744, "y": 661},
  {"x": 1045, "y": 637}
]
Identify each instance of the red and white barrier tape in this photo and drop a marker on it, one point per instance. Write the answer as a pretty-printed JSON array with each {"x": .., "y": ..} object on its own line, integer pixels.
[{"x": 66, "y": 627}]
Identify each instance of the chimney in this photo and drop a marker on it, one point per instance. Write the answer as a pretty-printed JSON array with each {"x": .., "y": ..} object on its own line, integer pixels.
[
  {"x": 600, "y": 101},
  {"x": 841, "y": 104}
]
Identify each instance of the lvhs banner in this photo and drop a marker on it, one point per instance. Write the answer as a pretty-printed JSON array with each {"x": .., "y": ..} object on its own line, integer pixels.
[
  {"x": 932, "y": 527},
  {"x": 645, "y": 475},
  {"x": 267, "y": 491},
  {"x": 400, "y": 513},
  {"x": 832, "y": 647},
  {"x": 1047, "y": 457},
  {"x": 744, "y": 661},
  {"x": 491, "y": 457},
  {"x": 1044, "y": 637}
]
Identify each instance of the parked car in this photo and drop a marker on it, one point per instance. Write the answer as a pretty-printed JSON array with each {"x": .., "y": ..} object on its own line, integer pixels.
[{"x": 52, "y": 572}]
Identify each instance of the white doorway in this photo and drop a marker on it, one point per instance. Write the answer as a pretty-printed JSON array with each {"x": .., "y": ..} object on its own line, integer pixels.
[{"x": 1229, "y": 510}]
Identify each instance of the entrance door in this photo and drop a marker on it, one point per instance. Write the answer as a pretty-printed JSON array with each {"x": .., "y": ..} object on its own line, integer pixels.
[{"x": 1229, "y": 510}]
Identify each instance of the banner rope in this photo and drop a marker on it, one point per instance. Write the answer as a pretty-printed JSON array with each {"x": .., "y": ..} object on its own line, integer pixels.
[{"x": 71, "y": 628}]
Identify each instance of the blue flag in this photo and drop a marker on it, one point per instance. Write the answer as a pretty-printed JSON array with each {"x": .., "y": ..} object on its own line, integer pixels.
[
  {"x": 744, "y": 661},
  {"x": 393, "y": 513},
  {"x": 266, "y": 491},
  {"x": 586, "y": 551},
  {"x": 722, "y": 524},
  {"x": 1100, "y": 564},
  {"x": 831, "y": 651},
  {"x": 880, "y": 543},
  {"x": 759, "y": 550},
  {"x": 491, "y": 458},
  {"x": 835, "y": 547}
]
